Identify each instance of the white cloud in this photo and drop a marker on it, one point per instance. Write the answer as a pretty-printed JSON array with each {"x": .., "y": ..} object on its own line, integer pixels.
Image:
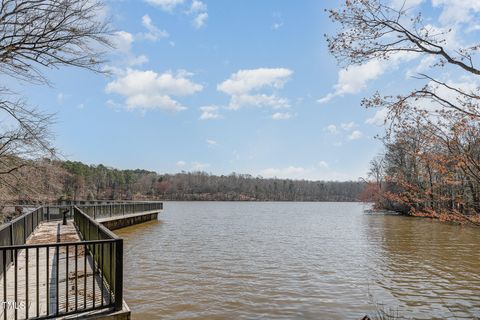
[
  {"x": 199, "y": 165},
  {"x": 197, "y": 6},
  {"x": 193, "y": 166},
  {"x": 406, "y": 4},
  {"x": 457, "y": 11},
  {"x": 195, "y": 9},
  {"x": 209, "y": 113},
  {"x": 378, "y": 118},
  {"x": 61, "y": 98},
  {"x": 468, "y": 85},
  {"x": 166, "y": 5},
  {"x": 199, "y": 10},
  {"x": 257, "y": 100},
  {"x": 181, "y": 164},
  {"x": 345, "y": 129},
  {"x": 245, "y": 81},
  {"x": 424, "y": 64},
  {"x": 122, "y": 41},
  {"x": 199, "y": 20},
  {"x": 321, "y": 171},
  {"x": 153, "y": 33},
  {"x": 355, "y": 135},
  {"x": 348, "y": 126},
  {"x": 452, "y": 12},
  {"x": 290, "y": 172},
  {"x": 355, "y": 78},
  {"x": 331, "y": 128},
  {"x": 243, "y": 87},
  {"x": 150, "y": 90},
  {"x": 278, "y": 20},
  {"x": 113, "y": 105},
  {"x": 277, "y": 25},
  {"x": 323, "y": 164},
  {"x": 137, "y": 60},
  {"x": 451, "y": 38},
  {"x": 281, "y": 116},
  {"x": 211, "y": 142}
]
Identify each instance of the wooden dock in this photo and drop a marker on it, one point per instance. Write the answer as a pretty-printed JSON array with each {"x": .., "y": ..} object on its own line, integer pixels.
[
  {"x": 51, "y": 269},
  {"x": 53, "y": 288}
]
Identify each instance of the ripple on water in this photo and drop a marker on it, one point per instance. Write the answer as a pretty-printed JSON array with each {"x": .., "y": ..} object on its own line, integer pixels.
[{"x": 223, "y": 260}]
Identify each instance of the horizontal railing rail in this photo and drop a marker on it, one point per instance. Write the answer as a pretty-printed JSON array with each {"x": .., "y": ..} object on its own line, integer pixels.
[
  {"x": 113, "y": 210},
  {"x": 103, "y": 210}
]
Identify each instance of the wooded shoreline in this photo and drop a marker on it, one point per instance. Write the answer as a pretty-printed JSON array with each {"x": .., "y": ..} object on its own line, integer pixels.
[{"x": 51, "y": 181}]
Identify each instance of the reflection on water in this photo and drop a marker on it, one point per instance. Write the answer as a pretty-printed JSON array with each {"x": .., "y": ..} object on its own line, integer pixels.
[{"x": 219, "y": 260}]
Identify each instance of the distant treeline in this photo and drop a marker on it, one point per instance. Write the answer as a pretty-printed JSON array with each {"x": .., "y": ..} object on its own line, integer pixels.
[
  {"x": 72, "y": 180},
  {"x": 100, "y": 182}
]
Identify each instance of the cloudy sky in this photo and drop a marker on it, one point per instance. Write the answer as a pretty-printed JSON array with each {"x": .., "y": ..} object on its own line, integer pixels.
[{"x": 231, "y": 86}]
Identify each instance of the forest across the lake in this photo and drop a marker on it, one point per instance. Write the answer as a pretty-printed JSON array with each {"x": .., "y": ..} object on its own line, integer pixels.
[{"x": 49, "y": 180}]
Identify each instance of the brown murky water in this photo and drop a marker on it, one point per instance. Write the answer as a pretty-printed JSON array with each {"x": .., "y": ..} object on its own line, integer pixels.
[{"x": 224, "y": 260}]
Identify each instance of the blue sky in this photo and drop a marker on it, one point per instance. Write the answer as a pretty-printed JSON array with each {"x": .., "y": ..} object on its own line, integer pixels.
[{"x": 225, "y": 86}]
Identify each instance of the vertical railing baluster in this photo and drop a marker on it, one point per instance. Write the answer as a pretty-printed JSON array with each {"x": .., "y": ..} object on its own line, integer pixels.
[
  {"x": 5, "y": 310},
  {"x": 15, "y": 288},
  {"x": 76, "y": 277},
  {"x": 24, "y": 229},
  {"x": 57, "y": 261},
  {"x": 26, "y": 283},
  {"x": 66, "y": 279},
  {"x": 38, "y": 282},
  {"x": 111, "y": 280},
  {"x": 118, "y": 274},
  {"x": 85, "y": 277},
  {"x": 101, "y": 269},
  {"x": 93, "y": 271},
  {"x": 47, "y": 285}
]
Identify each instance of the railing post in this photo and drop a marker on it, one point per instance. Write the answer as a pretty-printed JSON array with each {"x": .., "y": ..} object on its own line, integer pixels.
[
  {"x": 11, "y": 234},
  {"x": 119, "y": 274},
  {"x": 24, "y": 230}
]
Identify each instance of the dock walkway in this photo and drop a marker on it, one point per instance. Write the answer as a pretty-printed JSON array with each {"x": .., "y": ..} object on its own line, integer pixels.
[
  {"x": 50, "y": 270},
  {"x": 70, "y": 294}
]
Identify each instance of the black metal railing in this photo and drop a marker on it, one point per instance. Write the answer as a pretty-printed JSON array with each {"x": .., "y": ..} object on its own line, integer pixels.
[
  {"x": 98, "y": 211},
  {"x": 16, "y": 232},
  {"x": 54, "y": 279},
  {"x": 46, "y": 280},
  {"x": 107, "y": 254},
  {"x": 19, "y": 229}
]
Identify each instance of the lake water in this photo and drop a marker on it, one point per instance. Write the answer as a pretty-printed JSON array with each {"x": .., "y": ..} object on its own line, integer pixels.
[{"x": 281, "y": 260}]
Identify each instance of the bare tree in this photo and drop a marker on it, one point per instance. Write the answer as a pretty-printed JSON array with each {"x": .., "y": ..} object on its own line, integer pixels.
[
  {"x": 371, "y": 29},
  {"x": 431, "y": 165},
  {"x": 36, "y": 35},
  {"x": 50, "y": 33}
]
